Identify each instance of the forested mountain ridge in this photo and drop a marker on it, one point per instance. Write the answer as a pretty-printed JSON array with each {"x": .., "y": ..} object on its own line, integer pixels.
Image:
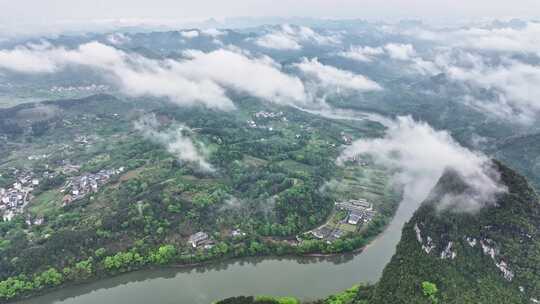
[{"x": 488, "y": 257}]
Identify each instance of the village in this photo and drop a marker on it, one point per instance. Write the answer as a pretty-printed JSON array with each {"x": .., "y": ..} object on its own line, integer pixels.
[
  {"x": 263, "y": 115},
  {"x": 14, "y": 199},
  {"x": 79, "y": 186}
]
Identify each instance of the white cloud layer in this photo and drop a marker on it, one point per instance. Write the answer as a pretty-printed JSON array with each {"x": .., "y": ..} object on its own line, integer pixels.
[
  {"x": 511, "y": 85},
  {"x": 395, "y": 51},
  {"x": 190, "y": 34},
  {"x": 498, "y": 66},
  {"x": 400, "y": 51},
  {"x": 330, "y": 78},
  {"x": 201, "y": 78},
  {"x": 212, "y": 32},
  {"x": 290, "y": 37},
  {"x": 362, "y": 53},
  {"x": 419, "y": 155},
  {"x": 501, "y": 39}
]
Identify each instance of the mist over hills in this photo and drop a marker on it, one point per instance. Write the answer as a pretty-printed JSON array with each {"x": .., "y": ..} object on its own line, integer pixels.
[{"x": 258, "y": 127}]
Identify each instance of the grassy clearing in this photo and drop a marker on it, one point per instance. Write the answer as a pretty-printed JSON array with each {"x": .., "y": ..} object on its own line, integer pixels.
[{"x": 46, "y": 202}]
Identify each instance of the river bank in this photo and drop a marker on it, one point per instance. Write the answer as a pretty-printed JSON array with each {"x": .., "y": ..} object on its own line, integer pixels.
[{"x": 307, "y": 277}]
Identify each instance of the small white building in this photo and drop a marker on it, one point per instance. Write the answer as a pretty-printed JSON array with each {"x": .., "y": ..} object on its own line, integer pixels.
[
  {"x": 8, "y": 216},
  {"x": 197, "y": 238},
  {"x": 237, "y": 233},
  {"x": 354, "y": 218}
]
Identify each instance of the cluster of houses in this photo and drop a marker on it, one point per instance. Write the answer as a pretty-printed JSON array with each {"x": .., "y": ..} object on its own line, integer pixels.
[
  {"x": 79, "y": 186},
  {"x": 359, "y": 211},
  {"x": 38, "y": 157},
  {"x": 16, "y": 197},
  {"x": 265, "y": 115}
]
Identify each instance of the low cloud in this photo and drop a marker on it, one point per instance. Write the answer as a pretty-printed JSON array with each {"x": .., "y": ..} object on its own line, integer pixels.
[
  {"x": 190, "y": 34},
  {"x": 512, "y": 85},
  {"x": 175, "y": 142},
  {"x": 278, "y": 41},
  {"x": 201, "y": 78},
  {"x": 400, "y": 51},
  {"x": 395, "y": 51},
  {"x": 118, "y": 38},
  {"x": 524, "y": 39},
  {"x": 290, "y": 37},
  {"x": 212, "y": 32},
  {"x": 31, "y": 59},
  {"x": 419, "y": 155},
  {"x": 362, "y": 53},
  {"x": 331, "y": 79}
]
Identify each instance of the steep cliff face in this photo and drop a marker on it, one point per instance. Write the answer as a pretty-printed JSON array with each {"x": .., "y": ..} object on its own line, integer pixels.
[{"x": 490, "y": 256}]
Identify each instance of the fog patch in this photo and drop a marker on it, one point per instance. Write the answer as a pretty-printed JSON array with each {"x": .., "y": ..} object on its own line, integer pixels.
[
  {"x": 523, "y": 39},
  {"x": 190, "y": 34},
  {"x": 513, "y": 85},
  {"x": 175, "y": 142},
  {"x": 400, "y": 51},
  {"x": 118, "y": 39},
  {"x": 326, "y": 79},
  {"x": 418, "y": 155},
  {"x": 362, "y": 53},
  {"x": 291, "y": 37},
  {"x": 395, "y": 51}
]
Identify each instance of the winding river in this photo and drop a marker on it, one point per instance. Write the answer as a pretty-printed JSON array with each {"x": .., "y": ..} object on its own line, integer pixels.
[{"x": 305, "y": 278}]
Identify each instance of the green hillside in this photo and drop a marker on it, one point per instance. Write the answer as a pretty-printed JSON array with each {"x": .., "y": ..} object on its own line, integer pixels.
[{"x": 488, "y": 257}]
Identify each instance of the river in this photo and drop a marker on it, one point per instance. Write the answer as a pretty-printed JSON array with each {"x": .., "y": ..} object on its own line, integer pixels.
[{"x": 305, "y": 278}]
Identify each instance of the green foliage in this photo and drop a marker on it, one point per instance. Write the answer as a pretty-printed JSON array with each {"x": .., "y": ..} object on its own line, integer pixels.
[
  {"x": 346, "y": 297},
  {"x": 430, "y": 290},
  {"x": 259, "y": 300},
  {"x": 13, "y": 287},
  {"x": 48, "y": 278},
  {"x": 471, "y": 276},
  {"x": 123, "y": 261},
  {"x": 100, "y": 252},
  {"x": 165, "y": 254},
  {"x": 275, "y": 300}
]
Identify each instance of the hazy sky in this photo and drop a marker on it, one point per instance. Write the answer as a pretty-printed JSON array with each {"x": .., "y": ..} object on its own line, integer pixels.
[{"x": 38, "y": 11}]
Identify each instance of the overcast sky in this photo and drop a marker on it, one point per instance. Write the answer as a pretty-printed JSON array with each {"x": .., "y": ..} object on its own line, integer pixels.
[{"x": 37, "y": 11}]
